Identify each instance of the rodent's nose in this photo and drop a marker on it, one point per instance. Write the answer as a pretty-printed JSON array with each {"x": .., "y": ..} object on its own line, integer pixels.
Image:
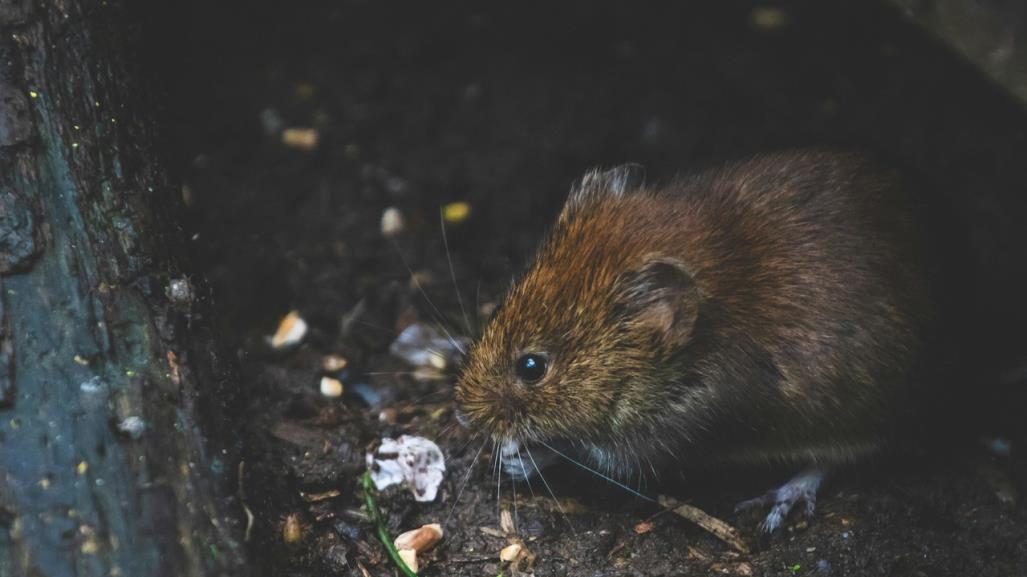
[{"x": 499, "y": 413}]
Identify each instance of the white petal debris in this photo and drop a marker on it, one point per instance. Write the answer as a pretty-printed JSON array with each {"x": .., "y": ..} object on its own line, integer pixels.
[
  {"x": 413, "y": 461},
  {"x": 422, "y": 345},
  {"x": 291, "y": 330}
]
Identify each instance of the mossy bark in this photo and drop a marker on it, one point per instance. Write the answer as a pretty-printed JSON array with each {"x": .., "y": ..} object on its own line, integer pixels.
[{"x": 116, "y": 449}]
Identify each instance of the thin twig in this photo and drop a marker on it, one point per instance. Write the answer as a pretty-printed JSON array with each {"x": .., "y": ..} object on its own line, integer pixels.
[{"x": 711, "y": 524}]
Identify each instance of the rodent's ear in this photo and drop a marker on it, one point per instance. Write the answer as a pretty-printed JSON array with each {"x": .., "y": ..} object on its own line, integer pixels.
[
  {"x": 662, "y": 297},
  {"x": 598, "y": 184}
]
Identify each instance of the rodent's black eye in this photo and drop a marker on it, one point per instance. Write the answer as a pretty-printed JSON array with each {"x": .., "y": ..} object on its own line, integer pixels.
[{"x": 531, "y": 367}]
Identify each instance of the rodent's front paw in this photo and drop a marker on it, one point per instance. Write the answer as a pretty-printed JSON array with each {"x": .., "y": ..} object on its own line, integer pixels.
[{"x": 801, "y": 488}]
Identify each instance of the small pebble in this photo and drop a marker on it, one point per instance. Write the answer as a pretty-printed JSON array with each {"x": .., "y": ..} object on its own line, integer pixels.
[{"x": 823, "y": 566}]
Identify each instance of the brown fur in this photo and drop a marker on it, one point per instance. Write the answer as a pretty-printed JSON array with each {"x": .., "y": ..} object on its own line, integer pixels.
[{"x": 770, "y": 309}]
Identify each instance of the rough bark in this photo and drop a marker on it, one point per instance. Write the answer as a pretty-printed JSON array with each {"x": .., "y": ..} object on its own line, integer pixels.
[
  {"x": 990, "y": 34},
  {"x": 115, "y": 454}
]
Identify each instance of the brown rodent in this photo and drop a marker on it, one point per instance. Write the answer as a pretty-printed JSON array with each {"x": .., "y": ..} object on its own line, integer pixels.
[{"x": 773, "y": 309}]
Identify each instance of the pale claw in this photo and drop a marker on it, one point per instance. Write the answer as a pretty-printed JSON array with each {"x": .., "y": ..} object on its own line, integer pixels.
[{"x": 803, "y": 487}]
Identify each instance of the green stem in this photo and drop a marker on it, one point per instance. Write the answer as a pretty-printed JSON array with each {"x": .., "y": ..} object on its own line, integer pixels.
[{"x": 383, "y": 533}]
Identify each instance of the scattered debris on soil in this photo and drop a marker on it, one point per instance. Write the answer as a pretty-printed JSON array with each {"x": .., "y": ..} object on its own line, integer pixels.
[
  {"x": 392, "y": 222},
  {"x": 412, "y": 461},
  {"x": 715, "y": 526},
  {"x": 300, "y": 138},
  {"x": 491, "y": 130},
  {"x": 422, "y": 345},
  {"x": 331, "y": 388},
  {"x": 291, "y": 330}
]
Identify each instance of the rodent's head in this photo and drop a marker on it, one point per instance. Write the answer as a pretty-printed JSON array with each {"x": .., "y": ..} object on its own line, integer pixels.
[{"x": 584, "y": 341}]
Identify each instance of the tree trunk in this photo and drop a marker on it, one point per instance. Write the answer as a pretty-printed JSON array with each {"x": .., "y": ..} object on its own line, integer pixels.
[{"x": 116, "y": 453}]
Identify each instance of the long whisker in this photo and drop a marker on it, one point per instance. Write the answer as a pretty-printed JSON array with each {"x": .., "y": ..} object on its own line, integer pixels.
[
  {"x": 452, "y": 272},
  {"x": 427, "y": 299},
  {"x": 468, "y": 443},
  {"x": 445, "y": 430},
  {"x": 600, "y": 475},
  {"x": 553, "y": 495},
  {"x": 495, "y": 458},
  {"x": 513, "y": 487},
  {"x": 499, "y": 482},
  {"x": 477, "y": 305},
  {"x": 378, "y": 327},
  {"x": 394, "y": 373},
  {"x": 463, "y": 484},
  {"x": 525, "y": 471}
]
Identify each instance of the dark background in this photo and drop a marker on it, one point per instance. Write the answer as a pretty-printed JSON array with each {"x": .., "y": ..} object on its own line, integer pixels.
[{"x": 502, "y": 105}]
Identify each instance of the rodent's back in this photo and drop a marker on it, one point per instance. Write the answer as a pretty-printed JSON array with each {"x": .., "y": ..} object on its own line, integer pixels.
[
  {"x": 769, "y": 309},
  {"x": 817, "y": 258}
]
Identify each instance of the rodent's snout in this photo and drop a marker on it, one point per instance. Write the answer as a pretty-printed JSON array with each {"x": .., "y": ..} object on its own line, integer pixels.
[{"x": 492, "y": 409}]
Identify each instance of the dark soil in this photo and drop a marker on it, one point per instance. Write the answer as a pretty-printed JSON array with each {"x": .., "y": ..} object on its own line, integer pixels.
[{"x": 502, "y": 106}]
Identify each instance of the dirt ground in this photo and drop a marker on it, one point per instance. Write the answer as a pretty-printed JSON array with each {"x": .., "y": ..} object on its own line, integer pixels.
[{"x": 501, "y": 106}]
